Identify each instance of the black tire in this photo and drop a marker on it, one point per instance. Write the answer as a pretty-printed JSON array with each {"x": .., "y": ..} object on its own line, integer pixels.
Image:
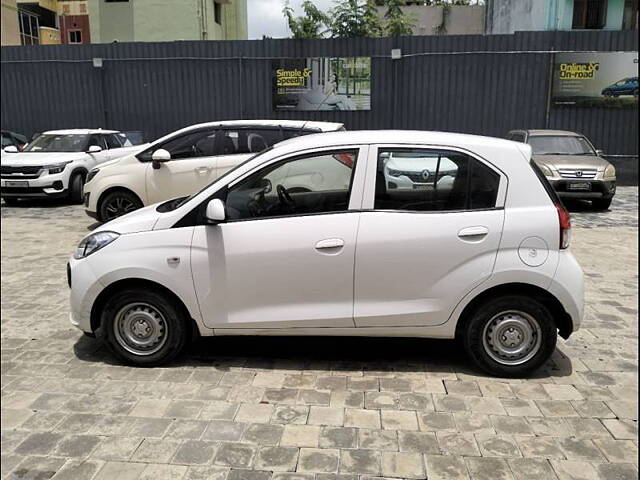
[
  {"x": 10, "y": 201},
  {"x": 478, "y": 323},
  {"x": 116, "y": 204},
  {"x": 174, "y": 327},
  {"x": 76, "y": 188},
  {"x": 602, "y": 203},
  {"x": 608, "y": 94},
  {"x": 635, "y": 93}
]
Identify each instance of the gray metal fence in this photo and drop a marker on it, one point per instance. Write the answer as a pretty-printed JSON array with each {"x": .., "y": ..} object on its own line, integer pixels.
[{"x": 477, "y": 84}]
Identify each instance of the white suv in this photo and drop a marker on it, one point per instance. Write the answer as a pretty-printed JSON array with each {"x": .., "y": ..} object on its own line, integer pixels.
[
  {"x": 183, "y": 162},
  {"x": 484, "y": 261},
  {"x": 56, "y": 163}
]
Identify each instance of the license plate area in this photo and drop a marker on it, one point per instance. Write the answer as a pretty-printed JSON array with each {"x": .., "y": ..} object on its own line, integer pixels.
[
  {"x": 580, "y": 186},
  {"x": 16, "y": 184}
]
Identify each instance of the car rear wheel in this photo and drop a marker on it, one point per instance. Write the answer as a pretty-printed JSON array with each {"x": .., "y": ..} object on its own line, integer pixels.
[
  {"x": 143, "y": 328},
  {"x": 116, "y": 204},
  {"x": 602, "y": 203},
  {"x": 510, "y": 336},
  {"x": 76, "y": 188}
]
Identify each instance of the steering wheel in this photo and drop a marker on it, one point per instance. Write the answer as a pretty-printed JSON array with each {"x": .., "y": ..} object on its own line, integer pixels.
[{"x": 284, "y": 197}]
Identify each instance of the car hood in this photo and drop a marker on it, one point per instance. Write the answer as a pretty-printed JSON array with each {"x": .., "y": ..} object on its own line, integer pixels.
[
  {"x": 571, "y": 161},
  {"x": 142, "y": 220},
  {"x": 33, "y": 159}
]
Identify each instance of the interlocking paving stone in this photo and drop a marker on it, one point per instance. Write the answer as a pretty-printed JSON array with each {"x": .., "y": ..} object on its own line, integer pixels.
[{"x": 321, "y": 409}]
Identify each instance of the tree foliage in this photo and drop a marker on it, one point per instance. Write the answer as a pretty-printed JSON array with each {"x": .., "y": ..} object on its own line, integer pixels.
[
  {"x": 396, "y": 22},
  {"x": 355, "y": 18},
  {"x": 313, "y": 24}
]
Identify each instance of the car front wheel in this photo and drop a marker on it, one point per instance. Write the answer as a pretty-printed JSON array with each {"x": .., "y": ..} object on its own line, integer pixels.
[
  {"x": 510, "y": 336},
  {"x": 143, "y": 328},
  {"x": 116, "y": 204},
  {"x": 76, "y": 188}
]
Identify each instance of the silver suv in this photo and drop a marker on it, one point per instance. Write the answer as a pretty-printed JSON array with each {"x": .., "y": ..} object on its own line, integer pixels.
[{"x": 571, "y": 164}]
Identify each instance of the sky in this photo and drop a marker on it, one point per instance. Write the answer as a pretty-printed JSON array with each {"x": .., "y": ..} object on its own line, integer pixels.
[{"x": 265, "y": 17}]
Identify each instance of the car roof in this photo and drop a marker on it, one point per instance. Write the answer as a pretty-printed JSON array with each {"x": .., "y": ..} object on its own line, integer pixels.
[
  {"x": 409, "y": 137},
  {"x": 79, "y": 131},
  {"x": 541, "y": 132},
  {"x": 296, "y": 124}
]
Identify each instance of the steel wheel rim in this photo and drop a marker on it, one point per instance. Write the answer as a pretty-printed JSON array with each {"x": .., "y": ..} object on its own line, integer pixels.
[
  {"x": 140, "y": 329},
  {"x": 118, "y": 207},
  {"x": 512, "y": 337}
]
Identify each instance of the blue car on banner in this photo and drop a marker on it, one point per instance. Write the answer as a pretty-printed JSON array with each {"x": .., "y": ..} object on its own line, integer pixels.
[{"x": 626, "y": 86}]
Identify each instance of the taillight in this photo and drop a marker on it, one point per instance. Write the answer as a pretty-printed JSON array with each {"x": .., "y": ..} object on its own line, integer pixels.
[{"x": 564, "y": 218}]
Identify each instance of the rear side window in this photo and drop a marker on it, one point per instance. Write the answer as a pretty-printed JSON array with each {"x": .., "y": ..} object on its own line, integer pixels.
[
  {"x": 433, "y": 180},
  {"x": 247, "y": 140},
  {"x": 112, "y": 141}
]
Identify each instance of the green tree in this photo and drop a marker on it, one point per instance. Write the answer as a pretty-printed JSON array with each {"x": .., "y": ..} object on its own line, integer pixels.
[
  {"x": 313, "y": 24},
  {"x": 355, "y": 18},
  {"x": 396, "y": 22}
]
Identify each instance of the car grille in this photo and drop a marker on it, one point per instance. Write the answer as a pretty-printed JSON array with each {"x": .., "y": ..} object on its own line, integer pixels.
[
  {"x": 20, "y": 172},
  {"x": 578, "y": 173}
]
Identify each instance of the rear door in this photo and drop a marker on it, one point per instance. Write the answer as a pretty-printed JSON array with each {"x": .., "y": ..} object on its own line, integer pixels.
[
  {"x": 424, "y": 243},
  {"x": 192, "y": 166}
]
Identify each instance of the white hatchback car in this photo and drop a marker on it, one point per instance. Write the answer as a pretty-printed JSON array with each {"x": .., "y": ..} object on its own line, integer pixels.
[
  {"x": 339, "y": 253},
  {"x": 183, "y": 162},
  {"x": 56, "y": 163}
]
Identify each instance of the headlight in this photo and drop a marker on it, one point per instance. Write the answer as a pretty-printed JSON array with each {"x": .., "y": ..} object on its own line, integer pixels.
[
  {"x": 610, "y": 171},
  {"x": 92, "y": 174},
  {"x": 394, "y": 173},
  {"x": 56, "y": 168},
  {"x": 546, "y": 170},
  {"x": 93, "y": 243}
]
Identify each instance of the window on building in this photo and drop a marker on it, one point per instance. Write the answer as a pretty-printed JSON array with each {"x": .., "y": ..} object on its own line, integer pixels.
[
  {"x": 630, "y": 15},
  {"x": 589, "y": 14},
  {"x": 29, "y": 28},
  {"x": 75, "y": 36},
  {"x": 217, "y": 12}
]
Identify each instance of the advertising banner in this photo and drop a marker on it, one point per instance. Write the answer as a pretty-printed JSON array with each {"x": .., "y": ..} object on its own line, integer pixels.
[
  {"x": 312, "y": 84},
  {"x": 603, "y": 79}
]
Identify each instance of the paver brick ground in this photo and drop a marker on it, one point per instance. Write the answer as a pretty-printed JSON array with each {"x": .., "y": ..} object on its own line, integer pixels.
[{"x": 312, "y": 408}]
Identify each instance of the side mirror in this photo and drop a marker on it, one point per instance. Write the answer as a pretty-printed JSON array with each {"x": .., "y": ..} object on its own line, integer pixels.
[
  {"x": 159, "y": 156},
  {"x": 94, "y": 149},
  {"x": 599, "y": 152},
  {"x": 10, "y": 149},
  {"x": 215, "y": 211}
]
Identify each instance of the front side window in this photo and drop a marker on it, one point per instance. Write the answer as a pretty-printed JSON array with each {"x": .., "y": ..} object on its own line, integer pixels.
[
  {"x": 112, "y": 141},
  {"x": 433, "y": 180},
  {"x": 6, "y": 140},
  {"x": 310, "y": 184},
  {"x": 58, "y": 143},
  {"x": 560, "y": 145},
  {"x": 189, "y": 145},
  {"x": 97, "y": 140}
]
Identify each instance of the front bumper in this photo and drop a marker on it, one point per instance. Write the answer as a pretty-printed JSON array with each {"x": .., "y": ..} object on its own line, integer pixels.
[
  {"x": 596, "y": 189},
  {"x": 85, "y": 288},
  {"x": 44, "y": 186}
]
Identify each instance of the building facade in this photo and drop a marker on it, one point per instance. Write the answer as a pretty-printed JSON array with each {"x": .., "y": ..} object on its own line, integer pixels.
[
  {"x": 9, "y": 30},
  {"x": 509, "y": 16},
  {"x": 167, "y": 20},
  {"x": 443, "y": 19}
]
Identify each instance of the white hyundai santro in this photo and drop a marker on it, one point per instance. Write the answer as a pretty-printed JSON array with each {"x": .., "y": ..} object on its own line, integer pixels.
[{"x": 307, "y": 238}]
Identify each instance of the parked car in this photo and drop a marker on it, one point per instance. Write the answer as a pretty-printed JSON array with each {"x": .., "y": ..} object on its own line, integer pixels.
[
  {"x": 572, "y": 165},
  {"x": 56, "y": 163},
  {"x": 183, "y": 162},
  {"x": 405, "y": 170},
  {"x": 13, "y": 139},
  {"x": 485, "y": 261},
  {"x": 626, "y": 86}
]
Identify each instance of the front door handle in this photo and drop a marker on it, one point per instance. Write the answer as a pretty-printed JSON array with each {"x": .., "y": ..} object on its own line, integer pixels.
[
  {"x": 330, "y": 243},
  {"x": 201, "y": 170},
  {"x": 471, "y": 233}
]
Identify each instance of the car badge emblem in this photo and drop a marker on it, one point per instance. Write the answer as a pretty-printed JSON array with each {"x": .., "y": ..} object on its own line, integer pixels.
[
  {"x": 578, "y": 173},
  {"x": 425, "y": 174}
]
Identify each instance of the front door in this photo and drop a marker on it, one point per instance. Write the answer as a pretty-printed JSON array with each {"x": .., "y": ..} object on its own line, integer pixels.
[
  {"x": 430, "y": 234},
  {"x": 285, "y": 256},
  {"x": 192, "y": 166}
]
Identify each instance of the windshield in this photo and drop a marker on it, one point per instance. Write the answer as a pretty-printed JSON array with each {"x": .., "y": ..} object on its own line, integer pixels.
[
  {"x": 560, "y": 145},
  {"x": 58, "y": 143}
]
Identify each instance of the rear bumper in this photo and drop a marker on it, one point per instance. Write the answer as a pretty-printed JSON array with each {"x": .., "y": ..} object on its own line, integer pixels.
[
  {"x": 568, "y": 287},
  {"x": 597, "y": 188}
]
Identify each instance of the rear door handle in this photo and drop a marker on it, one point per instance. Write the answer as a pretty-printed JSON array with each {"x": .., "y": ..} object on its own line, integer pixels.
[
  {"x": 330, "y": 243},
  {"x": 473, "y": 232}
]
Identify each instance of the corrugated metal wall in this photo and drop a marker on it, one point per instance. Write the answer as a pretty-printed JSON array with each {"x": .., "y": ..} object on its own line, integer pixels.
[{"x": 456, "y": 83}]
